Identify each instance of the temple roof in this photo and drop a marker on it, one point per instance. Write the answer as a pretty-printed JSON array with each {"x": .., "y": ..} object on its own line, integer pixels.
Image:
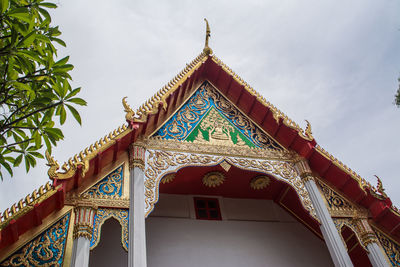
[{"x": 154, "y": 112}]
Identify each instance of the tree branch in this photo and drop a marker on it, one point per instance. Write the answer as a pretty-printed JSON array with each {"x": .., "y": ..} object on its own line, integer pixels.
[{"x": 4, "y": 126}]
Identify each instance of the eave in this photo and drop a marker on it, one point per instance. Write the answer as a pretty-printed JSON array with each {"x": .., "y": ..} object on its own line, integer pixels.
[{"x": 151, "y": 115}]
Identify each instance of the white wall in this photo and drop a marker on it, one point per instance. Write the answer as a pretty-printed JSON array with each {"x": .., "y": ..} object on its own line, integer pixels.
[{"x": 252, "y": 233}]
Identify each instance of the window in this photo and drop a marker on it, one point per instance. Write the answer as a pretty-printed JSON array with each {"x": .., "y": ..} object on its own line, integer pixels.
[{"x": 207, "y": 208}]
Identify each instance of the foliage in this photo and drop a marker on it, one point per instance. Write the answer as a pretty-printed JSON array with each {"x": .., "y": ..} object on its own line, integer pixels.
[{"x": 34, "y": 88}]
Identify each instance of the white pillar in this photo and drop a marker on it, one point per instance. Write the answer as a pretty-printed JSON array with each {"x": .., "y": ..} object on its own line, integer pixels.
[
  {"x": 375, "y": 253},
  {"x": 376, "y": 256},
  {"x": 137, "y": 226},
  {"x": 331, "y": 235},
  {"x": 83, "y": 228}
]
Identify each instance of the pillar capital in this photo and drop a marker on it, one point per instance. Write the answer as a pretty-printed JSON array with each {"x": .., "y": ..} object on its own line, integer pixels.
[
  {"x": 365, "y": 231},
  {"x": 303, "y": 169},
  {"x": 84, "y": 219},
  {"x": 137, "y": 155}
]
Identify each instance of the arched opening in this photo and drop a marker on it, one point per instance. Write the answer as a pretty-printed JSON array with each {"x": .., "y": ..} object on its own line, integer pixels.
[
  {"x": 357, "y": 253},
  {"x": 257, "y": 227},
  {"x": 109, "y": 251}
]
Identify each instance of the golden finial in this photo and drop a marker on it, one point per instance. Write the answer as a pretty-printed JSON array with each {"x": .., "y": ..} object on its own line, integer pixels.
[
  {"x": 380, "y": 188},
  {"x": 207, "y": 50},
  {"x": 129, "y": 111},
  {"x": 308, "y": 131}
]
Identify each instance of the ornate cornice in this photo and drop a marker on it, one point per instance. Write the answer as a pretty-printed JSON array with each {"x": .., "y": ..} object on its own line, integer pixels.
[
  {"x": 151, "y": 106},
  {"x": 338, "y": 205},
  {"x": 277, "y": 114},
  {"x": 82, "y": 159},
  {"x": 27, "y": 204},
  {"x": 204, "y": 148},
  {"x": 105, "y": 201}
]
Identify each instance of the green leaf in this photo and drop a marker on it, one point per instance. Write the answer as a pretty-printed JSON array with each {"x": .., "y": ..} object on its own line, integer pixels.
[
  {"x": 59, "y": 41},
  {"x": 64, "y": 68},
  {"x": 63, "y": 115},
  {"x": 54, "y": 132},
  {"x": 48, "y": 5},
  {"x": 45, "y": 14},
  {"x": 27, "y": 163},
  {"x": 38, "y": 139},
  {"x": 36, "y": 154},
  {"x": 78, "y": 101},
  {"x": 73, "y": 93},
  {"x": 28, "y": 40},
  {"x": 47, "y": 142},
  {"x": 75, "y": 113},
  {"x": 18, "y": 161},
  {"x": 20, "y": 13},
  {"x": 61, "y": 61},
  {"x": 22, "y": 86},
  {"x": 7, "y": 167},
  {"x": 4, "y": 5}
]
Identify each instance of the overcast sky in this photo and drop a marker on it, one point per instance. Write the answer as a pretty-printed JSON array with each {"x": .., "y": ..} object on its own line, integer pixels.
[{"x": 334, "y": 63}]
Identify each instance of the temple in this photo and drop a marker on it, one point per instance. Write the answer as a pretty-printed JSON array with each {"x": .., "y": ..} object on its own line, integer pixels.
[{"x": 204, "y": 173}]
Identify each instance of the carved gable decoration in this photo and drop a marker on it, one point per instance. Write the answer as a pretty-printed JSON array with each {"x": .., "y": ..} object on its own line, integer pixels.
[
  {"x": 102, "y": 215},
  {"x": 109, "y": 186},
  {"x": 208, "y": 118},
  {"x": 47, "y": 249},
  {"x": 391, "y": 248}
]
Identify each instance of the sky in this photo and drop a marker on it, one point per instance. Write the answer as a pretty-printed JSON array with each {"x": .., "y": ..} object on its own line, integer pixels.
[{"x": 334, "y": 63}]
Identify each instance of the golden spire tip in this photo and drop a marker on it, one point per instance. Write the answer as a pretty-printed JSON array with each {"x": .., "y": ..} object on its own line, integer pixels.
[{"x": 207, "y": 50}]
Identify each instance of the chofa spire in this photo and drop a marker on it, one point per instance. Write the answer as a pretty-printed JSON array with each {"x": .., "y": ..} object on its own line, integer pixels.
[{"x": 207, "y": 50}]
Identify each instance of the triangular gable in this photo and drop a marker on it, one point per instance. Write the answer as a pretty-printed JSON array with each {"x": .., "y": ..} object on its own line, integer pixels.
[
  {"x": 157, "y": 111},
  {"x": 47, "y": 249},
  {"x": 109, "y": 186},
  {"x": 208, "y": 117}
]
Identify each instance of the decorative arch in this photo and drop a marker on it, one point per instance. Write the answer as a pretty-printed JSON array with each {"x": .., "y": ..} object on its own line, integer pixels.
[
  {"x": 102, "y": 215},
  {"x": 340, "y": 223},
  {"x": 160, "y": 162}
]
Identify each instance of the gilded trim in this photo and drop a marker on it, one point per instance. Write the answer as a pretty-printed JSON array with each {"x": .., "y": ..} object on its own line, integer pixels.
[
  {"x": 82, "y": 159},
  {"x": 160, "y": 163},
  {"x": 277, "y": 114},
  {"x": 27, "y": 204},
  {"x": 390, "y": 247},
  {"x": 151, "y": 106}
]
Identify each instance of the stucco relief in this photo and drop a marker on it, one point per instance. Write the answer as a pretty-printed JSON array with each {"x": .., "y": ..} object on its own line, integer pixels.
[{"x": 161, "y": 162}]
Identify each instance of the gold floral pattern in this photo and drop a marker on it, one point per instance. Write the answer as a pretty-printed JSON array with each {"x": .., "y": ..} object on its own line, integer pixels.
[
  {"x": 111, "y": 185},
  {"x": 260, "y": 182},
  {"x": 213, "y": 179},
  {"x": 45, "y": 250},
  {"x": 161, "y": 162}
]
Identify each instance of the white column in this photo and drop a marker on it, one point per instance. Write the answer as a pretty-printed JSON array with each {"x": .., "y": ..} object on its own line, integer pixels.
[
  {"x": 137, "y": 226},
  {"x": 376, "y": 255},
  {"x": 83, "y": 228},
  {"x": 331, "y": 235}
]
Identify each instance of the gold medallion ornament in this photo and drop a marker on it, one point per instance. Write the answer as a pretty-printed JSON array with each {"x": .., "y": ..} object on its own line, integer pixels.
[
  {"x": 213, "y": 179},
  {"x": 260, "y": 182}
]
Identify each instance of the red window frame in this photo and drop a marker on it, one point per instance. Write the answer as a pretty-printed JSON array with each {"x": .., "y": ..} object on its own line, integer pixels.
[{"x": 205, "y": 212}]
